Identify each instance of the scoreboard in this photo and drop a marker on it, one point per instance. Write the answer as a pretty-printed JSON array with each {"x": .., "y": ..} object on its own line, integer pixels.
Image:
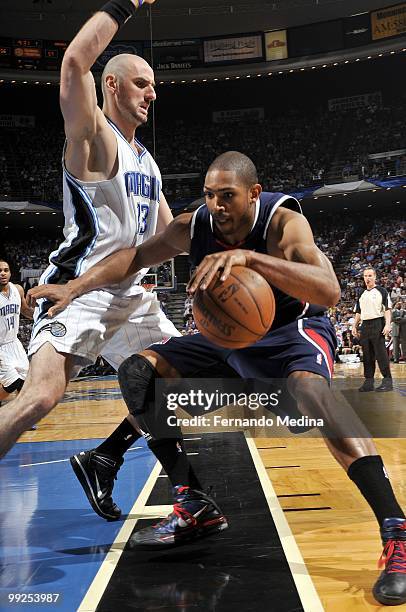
[{"x": 31, "y": 54}]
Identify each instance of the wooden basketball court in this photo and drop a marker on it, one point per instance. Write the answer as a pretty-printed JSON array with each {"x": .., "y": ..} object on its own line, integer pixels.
[{"x": 333, "y": 527}]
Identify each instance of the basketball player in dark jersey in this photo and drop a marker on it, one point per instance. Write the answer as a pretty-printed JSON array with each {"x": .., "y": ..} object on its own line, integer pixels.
[{"x": 239, "y": 225}]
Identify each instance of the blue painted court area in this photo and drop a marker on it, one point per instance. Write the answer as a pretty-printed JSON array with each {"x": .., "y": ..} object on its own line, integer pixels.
[{"x": 51, "y": 541}]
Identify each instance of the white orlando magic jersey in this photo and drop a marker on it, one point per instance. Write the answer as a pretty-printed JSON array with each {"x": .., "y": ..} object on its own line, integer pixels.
[
  {"x": 10, "y": 306},
  {"x": 106, "y": 216}
]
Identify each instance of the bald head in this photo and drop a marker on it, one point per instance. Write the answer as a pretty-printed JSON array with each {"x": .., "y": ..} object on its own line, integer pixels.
[
  {"x": 123, "y": 65},
  {"x": 240, "y": 164}
]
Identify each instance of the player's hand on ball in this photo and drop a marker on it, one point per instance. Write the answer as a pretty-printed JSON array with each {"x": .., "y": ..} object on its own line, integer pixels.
[
  {"x": 60, "y": 295},
  {"x": 137, "y": 3},
  {"x": 208, "y": 268}
]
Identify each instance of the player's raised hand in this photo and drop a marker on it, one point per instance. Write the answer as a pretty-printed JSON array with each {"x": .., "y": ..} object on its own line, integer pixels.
[
  {"x": 208, "y": 268},
  {"x": 60, "y": 295}
]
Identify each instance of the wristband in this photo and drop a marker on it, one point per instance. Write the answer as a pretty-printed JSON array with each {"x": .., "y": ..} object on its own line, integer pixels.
[{"x": 121, "y": 10}]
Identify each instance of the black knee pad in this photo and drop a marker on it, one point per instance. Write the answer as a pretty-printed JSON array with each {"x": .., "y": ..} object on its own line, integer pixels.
[
  {"x": 137, "y": 382},
  {"x": 136, "y": 377},
  {"x": 17, "y": 385}
]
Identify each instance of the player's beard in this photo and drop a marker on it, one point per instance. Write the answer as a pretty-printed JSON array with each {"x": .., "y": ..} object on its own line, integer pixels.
[{"x": 132, "y": 114}]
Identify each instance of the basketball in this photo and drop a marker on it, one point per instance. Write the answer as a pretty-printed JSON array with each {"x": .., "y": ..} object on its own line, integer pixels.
[{"x": 237, "y": 312}]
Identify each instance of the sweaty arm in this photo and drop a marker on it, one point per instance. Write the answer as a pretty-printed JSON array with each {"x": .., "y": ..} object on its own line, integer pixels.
[
  {"x": 86, "y": 128},
  {"x": 120, "y": 265},
  {"x": 296, "y": 265},
  {"x": 305, "y": 272},
  {"x": 78, "y": 98}
]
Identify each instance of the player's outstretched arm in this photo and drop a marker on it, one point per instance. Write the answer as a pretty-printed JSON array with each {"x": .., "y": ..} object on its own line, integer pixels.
[
  {"x": 119, "y": 266},
  {"x": 83, "y": 118}
]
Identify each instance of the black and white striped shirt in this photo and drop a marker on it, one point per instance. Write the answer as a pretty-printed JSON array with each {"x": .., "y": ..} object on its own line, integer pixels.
[{"x": 372, "y": 303}]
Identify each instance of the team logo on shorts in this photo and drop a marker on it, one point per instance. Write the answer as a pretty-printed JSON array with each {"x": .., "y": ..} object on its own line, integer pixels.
[
  {"x": 56, "y": 328},
  {"x": 319, "y": 359}
]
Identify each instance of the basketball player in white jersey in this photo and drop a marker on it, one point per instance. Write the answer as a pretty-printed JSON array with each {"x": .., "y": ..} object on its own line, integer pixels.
[
  {"x": 13, "y": 359},
  {"x": 112, "y": 200}
]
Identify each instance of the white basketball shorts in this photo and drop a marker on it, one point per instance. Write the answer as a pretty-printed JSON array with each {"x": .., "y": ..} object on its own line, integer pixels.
[
  {"x": 100, "y": 323},
  {"x": 13, "y": 363}
]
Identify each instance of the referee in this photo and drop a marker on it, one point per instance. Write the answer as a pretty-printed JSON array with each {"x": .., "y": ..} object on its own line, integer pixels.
[{"x": 373, "y": 308}]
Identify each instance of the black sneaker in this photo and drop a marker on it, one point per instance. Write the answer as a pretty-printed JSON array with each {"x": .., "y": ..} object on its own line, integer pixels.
[
  {"x": 390, "y": 588},
  {"x": 367, "y": 386},
  {"x": 195, "y": 515},
  {"x": 386, "y": 385},
  {"x": 96, "y": 473}
]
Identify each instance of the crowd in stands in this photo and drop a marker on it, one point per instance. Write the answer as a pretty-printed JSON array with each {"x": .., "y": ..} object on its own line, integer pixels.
[
  {"x": 383, "y": 248},
  {"x": 377, "y": 130},
  {"x": 291, "y": 150},
  {"x": 28, "y": 254}
]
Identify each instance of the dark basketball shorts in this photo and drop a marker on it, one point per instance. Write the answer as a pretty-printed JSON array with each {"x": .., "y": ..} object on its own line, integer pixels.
[{"x": 307, "y": 345}]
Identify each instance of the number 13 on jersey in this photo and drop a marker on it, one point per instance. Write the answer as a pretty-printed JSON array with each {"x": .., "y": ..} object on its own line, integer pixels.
[{"x": 142, "y": 213}]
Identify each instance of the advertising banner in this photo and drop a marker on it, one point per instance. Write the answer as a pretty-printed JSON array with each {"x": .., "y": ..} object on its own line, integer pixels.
[
  {"x": 276, "y": 45},
  {"x": 233, "y": 49},
  {"x": 388, "y": 22}
]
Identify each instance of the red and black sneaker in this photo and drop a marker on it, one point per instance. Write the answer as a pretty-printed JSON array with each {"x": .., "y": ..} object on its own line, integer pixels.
[
  {"x": 390, "y": 588},
  {"x": 195, "y": 515}
]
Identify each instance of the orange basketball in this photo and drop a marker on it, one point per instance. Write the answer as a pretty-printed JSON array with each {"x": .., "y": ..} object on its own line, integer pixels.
[{"x": 237, "y": 312}]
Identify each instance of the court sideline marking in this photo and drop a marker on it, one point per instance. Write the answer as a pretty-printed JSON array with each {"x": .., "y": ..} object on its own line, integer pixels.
[
  {"x": 98, "y": 586},
  {"x": 304, "y": 584}
]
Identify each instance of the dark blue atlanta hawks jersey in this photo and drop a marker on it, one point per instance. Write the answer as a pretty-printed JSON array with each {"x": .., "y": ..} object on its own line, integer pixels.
[{"x": 204, "y": 242}]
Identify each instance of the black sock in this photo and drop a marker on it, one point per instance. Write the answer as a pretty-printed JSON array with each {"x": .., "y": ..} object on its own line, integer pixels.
[
  {"x": 120, "y": 440},
  {"x": 370, "y": 476},
  {"x": 171, "y": 453}
]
